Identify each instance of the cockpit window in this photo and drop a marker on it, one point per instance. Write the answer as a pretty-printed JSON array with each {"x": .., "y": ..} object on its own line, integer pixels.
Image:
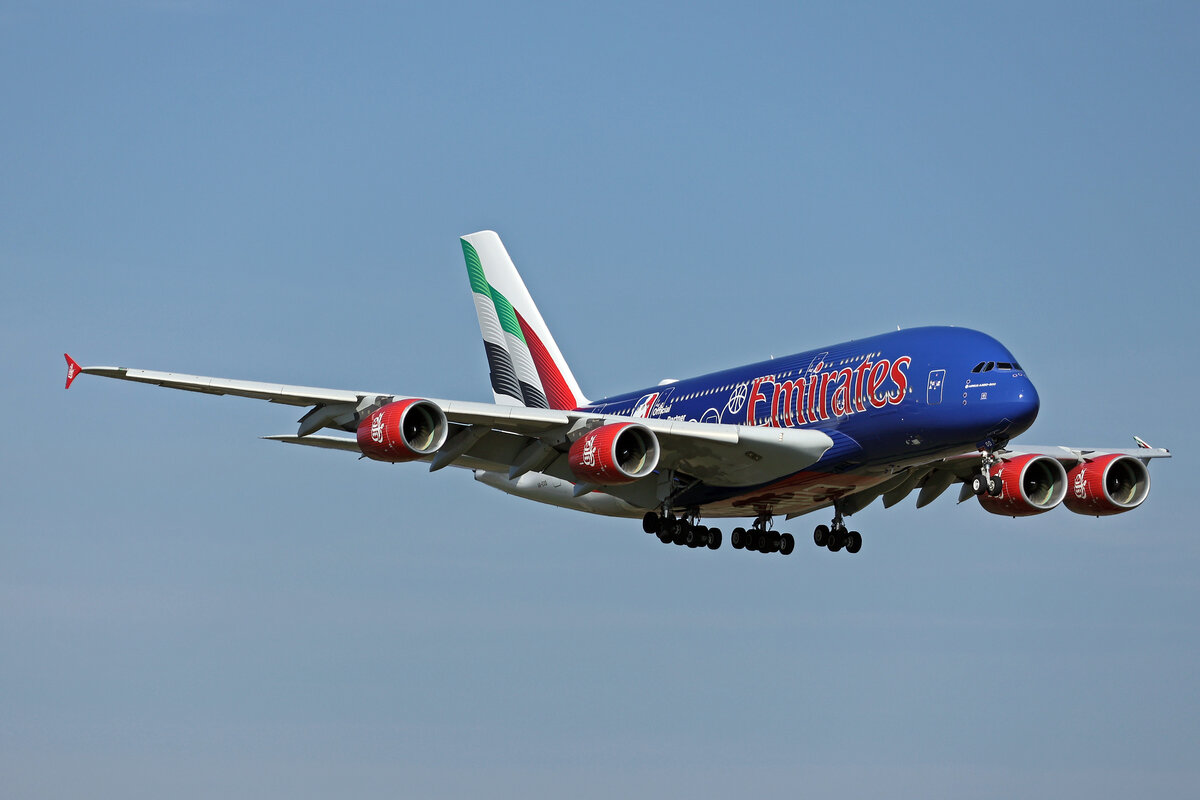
[{"x": 988, "y": 366}]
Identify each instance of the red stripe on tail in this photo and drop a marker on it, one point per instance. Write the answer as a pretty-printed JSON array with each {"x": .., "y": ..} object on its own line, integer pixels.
[{"x": 553, "y": 384}]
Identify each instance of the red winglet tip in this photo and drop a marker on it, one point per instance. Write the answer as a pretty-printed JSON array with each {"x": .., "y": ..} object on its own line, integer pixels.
[{"x": 73, "y": 370}]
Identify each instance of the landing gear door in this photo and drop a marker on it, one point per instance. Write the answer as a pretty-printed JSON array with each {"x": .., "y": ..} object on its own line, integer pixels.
[{"x": 933, "y": 390}]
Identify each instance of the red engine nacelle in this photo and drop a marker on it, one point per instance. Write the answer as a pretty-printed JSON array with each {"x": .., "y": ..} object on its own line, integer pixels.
[
  {"x": 1030, "y": 484},
  {"x": 614, "y": 454},
  {"x": 1107, "y": 485},
  {"x": 402, "y": 431}
]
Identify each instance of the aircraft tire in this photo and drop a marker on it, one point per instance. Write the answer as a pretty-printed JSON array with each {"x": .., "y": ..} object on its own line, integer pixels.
[
  {"x": 821, "y": 535},
  {"x": 737, "y": 538},
  {"x": 714, "y": 539},
  {"x": 787, "y": 543},
  {"x": 651, "y": 522},
  {"x": 853, "y": 542}
]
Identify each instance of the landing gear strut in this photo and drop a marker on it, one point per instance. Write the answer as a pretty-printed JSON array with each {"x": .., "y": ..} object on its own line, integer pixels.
[
  {"x": 681, "y": 530},
  {"x": 761, "y": 539},
  {"x": 835, "y": 536}
]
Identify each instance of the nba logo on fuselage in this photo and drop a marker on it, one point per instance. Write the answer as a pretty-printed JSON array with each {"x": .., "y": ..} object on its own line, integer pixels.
[{"x": 645, "y": 405}]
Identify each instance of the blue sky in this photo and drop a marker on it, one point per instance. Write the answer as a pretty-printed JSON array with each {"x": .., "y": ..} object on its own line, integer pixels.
[{"x": 276, "y": 192}]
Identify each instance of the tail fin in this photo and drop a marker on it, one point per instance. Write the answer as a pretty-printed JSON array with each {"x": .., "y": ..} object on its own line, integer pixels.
[{"x": 526, "y": 365}]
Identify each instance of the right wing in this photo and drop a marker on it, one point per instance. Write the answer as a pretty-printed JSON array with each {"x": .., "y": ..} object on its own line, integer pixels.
[{"x": 514, "y": 438}]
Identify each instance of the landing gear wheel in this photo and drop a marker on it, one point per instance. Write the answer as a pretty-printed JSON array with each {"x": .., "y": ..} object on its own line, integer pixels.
[
  {"x": 664, "y": 537},
  {"x": 995, "y": 486},
  {"x": 787, "y": 543},
  {"x": 835, "y": 543},
  {"x": 737, "y": 538},
  {"x": 821, "y": 535},
  {"x": 853, "y": 542},
  {"x": 651, "y": 523},
  {"x": 714, "y": 539},
  {"x": 979, "y": 486}
]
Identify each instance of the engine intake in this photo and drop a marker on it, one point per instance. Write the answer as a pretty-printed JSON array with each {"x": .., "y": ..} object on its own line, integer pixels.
[
  {"x": 403, "y": 431},
  {"x": 1030, "y": 485},
  {"x": 1107, "y": 485},
  {"x": 614, "y": 454}
]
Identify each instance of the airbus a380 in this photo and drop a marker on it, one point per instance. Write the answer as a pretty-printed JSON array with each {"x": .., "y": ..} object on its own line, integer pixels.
[{"x": 835, "y": 428}]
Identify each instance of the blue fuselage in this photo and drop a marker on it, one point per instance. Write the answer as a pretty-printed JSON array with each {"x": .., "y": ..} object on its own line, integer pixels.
[{"x": 908, "y": 395}]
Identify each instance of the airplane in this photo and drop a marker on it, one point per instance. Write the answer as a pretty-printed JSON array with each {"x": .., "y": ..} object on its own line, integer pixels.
[{"x": 836, "y": 428}]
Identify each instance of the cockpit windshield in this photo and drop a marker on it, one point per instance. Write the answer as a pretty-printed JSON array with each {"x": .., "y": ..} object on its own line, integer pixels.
[{"x": 988, "y": 366}]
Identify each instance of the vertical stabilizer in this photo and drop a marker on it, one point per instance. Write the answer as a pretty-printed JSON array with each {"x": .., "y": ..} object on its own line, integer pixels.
[{"x": 527, "y": 368}]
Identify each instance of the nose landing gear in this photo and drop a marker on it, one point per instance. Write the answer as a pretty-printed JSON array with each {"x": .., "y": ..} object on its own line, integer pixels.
[{"x": 985, "y": 482}]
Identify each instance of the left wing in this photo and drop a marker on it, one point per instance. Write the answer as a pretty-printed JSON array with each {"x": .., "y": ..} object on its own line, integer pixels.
[
  {"x": 966, "y": 466},
  {"x": 1091, "y": 480}
]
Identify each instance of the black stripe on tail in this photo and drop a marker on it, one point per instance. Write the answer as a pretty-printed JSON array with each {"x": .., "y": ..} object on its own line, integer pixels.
[{"x": 504, "y": 376}]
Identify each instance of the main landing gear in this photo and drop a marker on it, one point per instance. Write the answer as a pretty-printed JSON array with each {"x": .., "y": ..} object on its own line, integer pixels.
[
  {"x": 681, "y": 531},
  {"x": 758, "y": 538},
  {"x": 835, "y": 536},
  {"x": 762, "y": 540}
]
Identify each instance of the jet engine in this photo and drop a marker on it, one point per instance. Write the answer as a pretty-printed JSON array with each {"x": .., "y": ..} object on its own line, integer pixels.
[
  {"x": 1029, "y": 485},
  {"x": 402, "y": 431},
  {"x": 1107, "y": 485},
  {"x": 614, "y": 454}
]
